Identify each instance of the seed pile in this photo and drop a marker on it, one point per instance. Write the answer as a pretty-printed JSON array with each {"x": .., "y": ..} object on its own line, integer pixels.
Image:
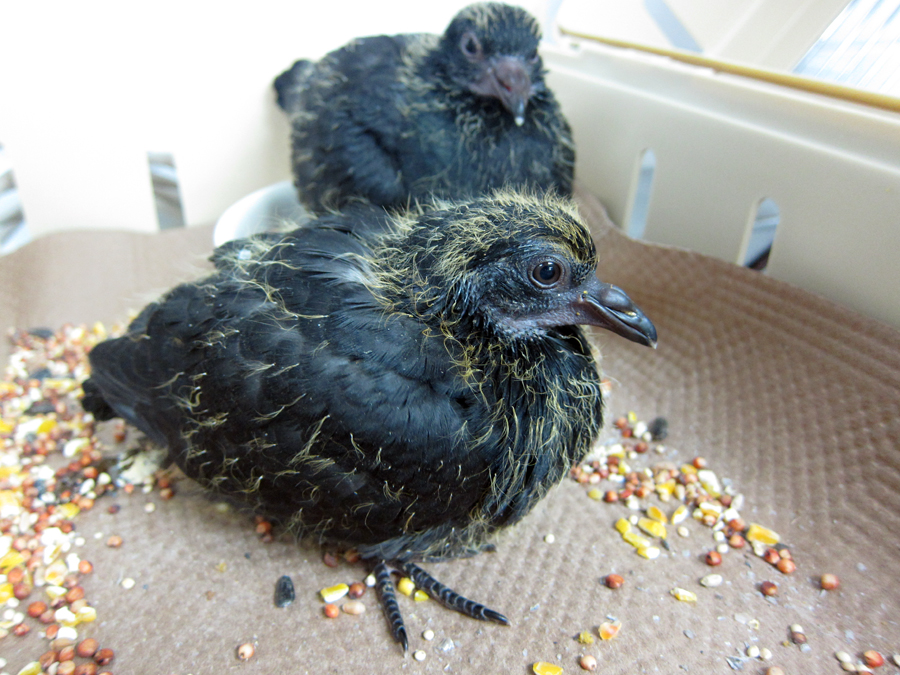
[{"x": 51, "y": 469}]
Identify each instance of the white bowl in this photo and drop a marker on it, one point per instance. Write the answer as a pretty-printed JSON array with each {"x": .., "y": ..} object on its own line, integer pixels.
[{"x": 269, "y": 209}]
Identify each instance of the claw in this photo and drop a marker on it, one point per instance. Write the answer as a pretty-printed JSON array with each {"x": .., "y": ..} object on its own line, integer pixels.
[
  {"x": 451, "y": 598},
  {"x": 385, "y": 589}
]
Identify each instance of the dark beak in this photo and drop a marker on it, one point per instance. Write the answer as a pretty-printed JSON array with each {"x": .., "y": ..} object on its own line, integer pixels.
[
  {"x": 607, "y": 306},
  {"x": 506, "y": 78}
]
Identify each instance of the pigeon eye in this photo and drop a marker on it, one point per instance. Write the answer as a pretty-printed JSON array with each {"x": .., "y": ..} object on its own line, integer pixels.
[
  {"x": 546, "y": 273},
  {"x": 470, "y": 45}
]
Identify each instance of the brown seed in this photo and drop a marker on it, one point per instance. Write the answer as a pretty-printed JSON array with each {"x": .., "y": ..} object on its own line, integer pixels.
[
  {"x": 737, "y": 524},
  {"x": 873, "y": 659},
  {"x": 331, "y": 610},
  {"x": 641, "y": 447},
  {"x": 246, "y": 651},
  {"x": 104, "y": 656},
  {"x": 66, "y": 668},
  {"x": 113, "y": 508},
  {"x": 699, "y": 463},
  {"x": 774, "y": 670},
  {"x": 713, "y": 558},
  {"x": 357, "y": 590},
  {"x": 51, "y": 630},
  {"x": 21, "y": 590},
  {"x": 352, "y": 556},
  {"x": 771, "y": 556},
  {"x": 736, "y": 541},
  {"x": 588, "y": 662},
  {"x": 798, "y": 638},
  {"x": 611, "y": 496},
  {"x": 75, "y": 593},
  {"x": 330, "y": 559},
  {"x": 48, "y": 658},
  {"x": 114, "y": 541},
  {"x": 613, "y": 581},
  {"x": 86, "y": 669},
  {"x": 21, "y": 629},
  {"x": 49, "y": 616},
  {"x": 70, "y": 581},
  {"x": 768, "y": 588},
  {"x": 87, "y": 648},
  {"x": 36, "y": 608},
  {"x": 15, "y": 575},
  {"x": 786, "y": 566},
  {"x": 67, "y": 653},
  {"x": 829, "y": 582},
  {"x": 166, "y": 493},
  {"x": 354, "y": 607},
  {"x": 85, "y": 567}
]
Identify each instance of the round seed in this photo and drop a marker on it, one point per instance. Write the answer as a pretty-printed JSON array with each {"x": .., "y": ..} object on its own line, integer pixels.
[
  {"x": 428, "y": 635},
  {"x": 246, "y": 651},
  {"x": 104, "y": 656},
  {"x": 588, "y": 662},
  {"x": 419, "y": 655},
  {"x": 331, "y": 610},
  {"x": 66, "y": 668},
  {"x": 67, "y": 653},
  {"x": 114, "y": 541},
  {"x": 85, "y": 567},
  {"x": 357, "y": 590},
  {"x": 843, "y": 657},
  {"x": 753, "y": 651},
  {"x": 87, "y": 648},
  {"x": 713, "y": 558},
  {"x": 829, "y": 582},
  {"x": 614, "y": 581},
  {"x": 772, "y": 556},
  {"x": 36, "y": 608},
  {"x": 768, "y": 588},
  {"x": 85, "y": 669},
  {"x": 786, "y": 566},
  {"x": 873, "y": 659},
  {"x": 765, "y": 654}
]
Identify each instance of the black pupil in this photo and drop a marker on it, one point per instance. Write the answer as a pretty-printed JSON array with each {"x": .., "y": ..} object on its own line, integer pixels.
[
  {"x": 470, "y": 46},
  {"x": 547, "y": 272}
]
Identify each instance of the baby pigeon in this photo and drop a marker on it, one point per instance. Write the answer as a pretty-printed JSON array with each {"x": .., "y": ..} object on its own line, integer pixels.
[
  {"x": 396, "y": 119},
  {"x": 406, "y": 385}
]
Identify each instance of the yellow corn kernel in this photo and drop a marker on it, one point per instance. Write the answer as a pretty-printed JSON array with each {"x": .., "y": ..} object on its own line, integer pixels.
[
  {"x": 10, "y": 559},
  {"x": 649, "y": 552},
  {"x": 596, "y": 493},
  {"x": 636, "y": 540},
  {"x": 679, "y": 515},
  {"x": 406, "y": 586},
  {"x": 667, "y": 487},
  {"x": 420, "y": 595},
  {"x": 69, "y": 510},
  {"x": 585, "y": 638},
  {"x": 683, "y": 595},
  {"x": 86, "y": 615},
  {"x": 544, "y": 668},
  {"x": 6, "y": 592},
  {"x": 762, "y": 534},
  {"x": 46, "y": 426},
  {"x": 623, "y": 526},
  {"x": 33, "y": 668},
  {"x": 688, "y": 468},
  {"x": 652, "y": 527},
  {"x": 656, "y": 514},
  {"x": 335, "y": 592}
]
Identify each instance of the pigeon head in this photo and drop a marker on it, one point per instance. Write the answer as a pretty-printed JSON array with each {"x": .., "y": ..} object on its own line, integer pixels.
[
  {"x": 513, "y": 265},
  {"x": 490, "y": 49}
]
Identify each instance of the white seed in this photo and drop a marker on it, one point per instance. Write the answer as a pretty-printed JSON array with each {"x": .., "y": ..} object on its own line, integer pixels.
[
  {"x": 370, "y": 580},
  {"x": 753, "y": 651},
  {"x": 723, "y": 548},
  {"x": 67, "y": 632},
  {"x": 712, "y": 580},
  {"x": 428, "y": 635},
  {"x": 128, "y": 583},
  {"x": 549, "y": 538},
  {"x": 719, "y": 536},
  {"x": 848, "y": 666},
  {"x": 796, "y": 628},
  {"x": 683, "y": 531},
  {"x": 843, "y": 657},
  {"x": 149, "y": 507},
  {"x": 419, "y": 655},
  {"x": 896, "y": 659},
  {"x": 765, "y": 654}
]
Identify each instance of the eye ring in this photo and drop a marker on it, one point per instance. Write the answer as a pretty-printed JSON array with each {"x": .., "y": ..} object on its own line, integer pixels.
[
  {"x": 547, "y": 273},
  {"x": 470, "y": 45}
]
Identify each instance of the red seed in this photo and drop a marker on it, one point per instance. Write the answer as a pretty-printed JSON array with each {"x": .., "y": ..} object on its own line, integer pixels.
[
  {"x": 613, "y": 581},
  {"x": 611, "y": 496},
  {"x": 829, "y": 582},
  {"x": 331, "y": 610},
  {"x": 771, "y": 556},
  {"x": 713, "y": 558},
  {"x": 15, "y": 575},
  {"x": 48, "y": 658},
  {"x": 36, "y": 608},
  {"x": 330, "y": 559},
  {"x": 66, "y": 668},
  {"x": 87, "y": 648},
  {"x": 85, "y": 567},
  {"x": 85, "y": 669},
  {"x": 51, "y": 630},
  {"x": 768, "y": 588},
  {"x": 21, "y": 629},
  {"x": 699, "y": 463},
  {"x": 873, "y": 659},
  {"x": 21, "y": 590},
  {"x": 114, "y": 541},
  {"x": 641, "y": 447},
  {"x": 786, "y": 566},
  {"x": 75, "y": 593},
  {"x": 49, "y": 616},
  {"x": 357, "y": 590},
  {"x": 736, "y": 541},
  {"x": 67, "y": 653},
  {"x": 104, "y": 656},
  {"x": 113, "y": 508}
]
